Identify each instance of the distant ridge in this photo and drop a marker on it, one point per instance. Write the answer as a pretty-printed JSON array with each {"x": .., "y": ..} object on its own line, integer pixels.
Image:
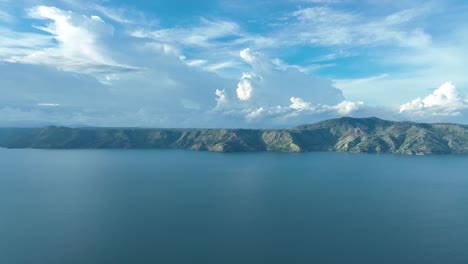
[{"x": 346, "y": 134}]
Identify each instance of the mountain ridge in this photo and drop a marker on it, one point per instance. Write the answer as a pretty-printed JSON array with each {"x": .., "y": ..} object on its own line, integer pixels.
[{"x": 345, "y": 134}]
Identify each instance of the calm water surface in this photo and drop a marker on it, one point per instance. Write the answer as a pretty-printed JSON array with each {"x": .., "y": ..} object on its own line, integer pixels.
[{"x": 163, "y": 206}]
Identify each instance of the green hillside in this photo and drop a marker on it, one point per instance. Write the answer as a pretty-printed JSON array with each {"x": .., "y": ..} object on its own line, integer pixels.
[{"x": 367, "y": 135}]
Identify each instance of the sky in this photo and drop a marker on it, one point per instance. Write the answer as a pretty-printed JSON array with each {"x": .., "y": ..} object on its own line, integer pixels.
[{"x": 226, "y": 63}]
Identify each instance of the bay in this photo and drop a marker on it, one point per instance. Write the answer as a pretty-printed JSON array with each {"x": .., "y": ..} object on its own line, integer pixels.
[{"x": 170, "y": 206}]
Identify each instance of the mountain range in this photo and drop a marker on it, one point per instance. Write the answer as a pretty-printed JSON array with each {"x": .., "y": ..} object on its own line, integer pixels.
[{"x": 359, "y": 135}]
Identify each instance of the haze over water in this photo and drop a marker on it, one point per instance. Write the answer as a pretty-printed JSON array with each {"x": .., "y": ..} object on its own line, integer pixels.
[{"x": 166, "y": 206}]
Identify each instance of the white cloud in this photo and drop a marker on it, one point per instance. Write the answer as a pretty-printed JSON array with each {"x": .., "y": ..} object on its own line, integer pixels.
[
  {"x": 205, "y": 35},
  {"x": 444, "y": 101},
  {"x": 48, "y": 95},
  {"x": 195, "y": 63},
  {"x": 281, "y": 65},
  {"x": 216, "y": 42},
  {"x": 267, "y": 85},
  {"x": 247, "y": 55},
  {"x": 212, "y": 45},
  {"x": 271, "y": 95},
  {"x": 388, "y": 89},
  {"x": 254, "y": 114},
  {"x": 266, "y": 90},
  {"x": 76, "y": 40},
  {"x": 325, "y": 26},
  {"x": 347, "y": 107},
  {"x": 244, "y": 87},
  {"x": 427, "y": 67},
  {"x": 300, "y": 111},
  {"x": 219, "y": 66},
  {"x": 186, "y": 62},
  {"x": 14, "y": 43},
  {"x": 116, "y": 14},
  {"x": 80, "y": 43},
  {"x": 6, "y": 17},
  {"x": 343, "y": 108},
  {"x": 5, "y": 12},
  {"x": 48, "y": 104},
  {"x": 299, "y": 104},
  {"x": 165, "y": 48},
  {"x": 320, "y": 1},
  {"x": 221, "y": 99}
]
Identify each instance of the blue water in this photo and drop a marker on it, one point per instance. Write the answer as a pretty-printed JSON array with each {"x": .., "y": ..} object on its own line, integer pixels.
[{"x": 165, "y": 206}]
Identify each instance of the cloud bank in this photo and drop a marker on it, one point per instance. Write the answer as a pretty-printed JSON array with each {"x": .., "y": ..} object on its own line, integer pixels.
[{"x": 110, "y": 66}]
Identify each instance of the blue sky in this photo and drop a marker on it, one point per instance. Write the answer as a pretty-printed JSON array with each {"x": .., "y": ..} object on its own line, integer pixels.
[{"x": 221, "y": 63}]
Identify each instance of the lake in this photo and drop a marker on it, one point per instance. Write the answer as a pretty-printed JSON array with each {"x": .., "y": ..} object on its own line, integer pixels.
[{"x": 171, "y": 206}]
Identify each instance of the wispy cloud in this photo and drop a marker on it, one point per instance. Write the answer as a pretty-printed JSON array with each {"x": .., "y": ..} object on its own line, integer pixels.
[
  {"x": 212, "y": 45},
  {"x": 48, "y": 104},
  {"x": 330, "y": 27},
  {"x": 125, "y": 15},
  {"x": 222, "y": 65},
  {"x": 320, "y": 1},
  {"x": 5, "y": 17},
  {"x": 13, "y": 43},
  {"x": 80, "y": 43},
  {"x": 208, "y": 34},
  {"x": 116, "y": 14}
]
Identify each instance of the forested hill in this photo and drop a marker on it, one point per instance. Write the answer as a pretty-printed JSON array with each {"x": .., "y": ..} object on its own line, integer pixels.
[{"x": 367, "y": 135}]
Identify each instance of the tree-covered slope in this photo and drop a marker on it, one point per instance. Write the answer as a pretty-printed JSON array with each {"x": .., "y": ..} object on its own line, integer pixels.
[
  {"x": 375, "y": 135},
  {"x": 371, "y": 135}
]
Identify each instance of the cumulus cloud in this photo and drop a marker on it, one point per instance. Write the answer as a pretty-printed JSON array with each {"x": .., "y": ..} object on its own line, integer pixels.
[
  {"x": 283, "y": 95},
  {"x": 266, "y": 85},
  {"x": 299, "y": 104},
  {"x": 300, "y": 111},
  {"x": 444, "y": 101},
  {"x": 347, "y": 107},
  {"x": 80, "y": 43},
  {"x": 256, "y": 113},
  {"x": 222, "y": 98},
  {"x": 247, "y": 55},
  {"x": 342, "y": 108},
  {"x": 244, "y": 87}
]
